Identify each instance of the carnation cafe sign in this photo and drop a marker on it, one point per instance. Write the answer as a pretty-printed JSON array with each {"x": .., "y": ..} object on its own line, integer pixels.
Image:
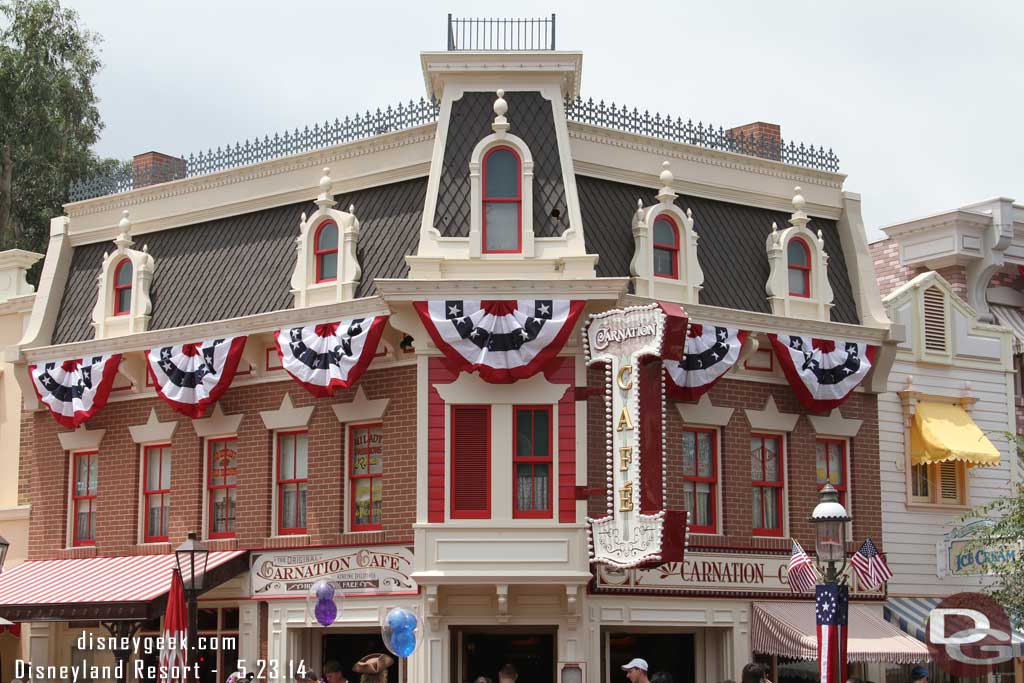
[
  {"x": 374, "y": 570},
  {"x": 620, "y": 338}
]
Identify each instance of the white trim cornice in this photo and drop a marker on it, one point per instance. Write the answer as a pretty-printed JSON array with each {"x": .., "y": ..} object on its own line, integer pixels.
[
  {"x": 360, "y": 408},
  {"x": 605, "y": 288},
  {"x": 287, "y": 416},
  {"x": 217, "y": 424},
  {"x": 81, "y": 439},
  {"x": 704, "y": 413},
  {"x": 834, "y": 424},
  {"x": 154, "y": 431},
  {"x": 770, "y": 419},
  {"x": 469, "y": 389}
]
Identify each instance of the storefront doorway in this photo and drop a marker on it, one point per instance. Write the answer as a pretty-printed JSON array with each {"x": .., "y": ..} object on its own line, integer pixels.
[
  {"x": 349, "y": 648},
  {"x": 670, "y": 652},
  {"x": 482, "y": 652}
]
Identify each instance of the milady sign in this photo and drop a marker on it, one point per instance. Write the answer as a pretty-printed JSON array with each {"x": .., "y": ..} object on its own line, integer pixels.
[{"x": 373, "y": 570}]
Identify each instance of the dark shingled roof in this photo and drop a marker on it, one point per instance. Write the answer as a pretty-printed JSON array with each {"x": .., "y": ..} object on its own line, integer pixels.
[
  {"x": 530, "y": 118},
  {"x": 242, "y": 265},
  {"x": 731, "y": 247}
]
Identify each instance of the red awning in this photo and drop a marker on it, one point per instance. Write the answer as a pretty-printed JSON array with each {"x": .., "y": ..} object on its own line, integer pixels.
[{"x": 137, "y": 579}]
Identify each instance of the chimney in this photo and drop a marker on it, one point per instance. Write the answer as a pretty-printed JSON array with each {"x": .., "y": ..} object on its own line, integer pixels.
[
  {"x": 758, "y": 139},
  {"x": 151, "y": 168}
]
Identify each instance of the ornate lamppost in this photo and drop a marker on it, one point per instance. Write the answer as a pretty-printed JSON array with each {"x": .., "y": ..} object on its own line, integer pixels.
[
  {"x": 192, "y": 557},
  {"x": 831, "y": 599}
]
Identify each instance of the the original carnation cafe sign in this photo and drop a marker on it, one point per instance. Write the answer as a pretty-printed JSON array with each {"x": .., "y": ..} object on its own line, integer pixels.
[
  {"x": 625, "y": 537},
  {"x": 374, "y": 570}
]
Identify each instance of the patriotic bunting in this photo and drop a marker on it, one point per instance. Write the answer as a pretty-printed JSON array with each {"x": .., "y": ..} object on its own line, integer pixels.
[
  {"x": 870, "y": 566},
  {"x": 831, "y": 614},
  {"x": 708, "y": 353},
  {"x": 75, "y": 390},
  {"x": 502, "y": 340},
  {"x": 191, "y": 377},
  {"x": 822, "y": 372},
  {"x": 329, "y": 356}
]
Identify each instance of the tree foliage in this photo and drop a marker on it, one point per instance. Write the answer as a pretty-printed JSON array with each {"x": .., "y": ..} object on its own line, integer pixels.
[{"x": 48, "y": 115}]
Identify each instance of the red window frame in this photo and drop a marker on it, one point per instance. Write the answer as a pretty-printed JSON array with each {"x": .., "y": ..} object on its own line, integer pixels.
[
  {"x": 673, "y": 248},
  {"x": 294, "y": 481},
  {"x": 763, "y": 483},
  {"x": 162, "y": 489},
  {"x": 118, "y": 288},
  {"x": 691, "y": 481},
  {"x": 75, "y": 497},
  {"x": 518, "y": 200},
  {"x": 211, "y": 488},
  {"x": 354, "y": 478},
  {"x": 844, "y": 465},
  {"x": 319, "y": 253},
  {"x": 533, "y": 461},
  {"x": 805, "y": 270},
  {"x": 470, "y": 514}
]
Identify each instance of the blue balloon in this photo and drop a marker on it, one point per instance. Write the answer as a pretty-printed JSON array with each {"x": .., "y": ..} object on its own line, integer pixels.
[
  {"x": 403, "y": 643},
  {"x": 396, "y": 620},
  {"x": 410, "y": 621},
  {"x": 323, "y": 590}
]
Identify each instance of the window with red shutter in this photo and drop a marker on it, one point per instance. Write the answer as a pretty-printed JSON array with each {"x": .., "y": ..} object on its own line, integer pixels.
[{"x": 470, "y": 438}]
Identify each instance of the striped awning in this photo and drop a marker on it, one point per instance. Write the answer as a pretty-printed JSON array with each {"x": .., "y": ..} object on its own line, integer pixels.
[
  {"x": 1011, "y": 316},
  {"x": 102, "y": 582},
  {"x": 788, "y": 629}
]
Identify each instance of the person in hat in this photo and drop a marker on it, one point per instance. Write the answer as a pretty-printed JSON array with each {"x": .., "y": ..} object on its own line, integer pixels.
[
  {"x": 636, "y": 670},
  {"x": 919, "y": 674},
  {"x": 333, "y": 672},
  {"x": 374, "y": 668}
]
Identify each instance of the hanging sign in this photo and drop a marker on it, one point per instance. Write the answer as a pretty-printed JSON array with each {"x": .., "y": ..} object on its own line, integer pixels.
[{"x": 372, "y": 570}]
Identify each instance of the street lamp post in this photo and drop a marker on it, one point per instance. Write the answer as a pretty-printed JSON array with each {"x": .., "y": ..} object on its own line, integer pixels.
[
  {"x": 830, "y": 519},
  {"x": 191, "y": 557}
]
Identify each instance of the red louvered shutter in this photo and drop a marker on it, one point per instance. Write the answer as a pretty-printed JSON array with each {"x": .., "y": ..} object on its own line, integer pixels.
[{"x": 471, "y": 462}]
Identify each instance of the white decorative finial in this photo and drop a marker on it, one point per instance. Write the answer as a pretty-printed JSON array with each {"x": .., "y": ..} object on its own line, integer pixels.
[
  {"x": 798, "y": 199},
  {"x": 775, "y": 226},
  {"x": 799, "y": 218},
  {"x": 667, "y": 195},
  {"x": 123, "y": 239},
  {"x": 500, "y": 124},
  {"x": 325, "y": 181},
  {"x": 351, "y": 208},
  {"x": 125, "y": 225},
  {"x": 689, "y": 213},
  {"x": 326, "y": 199},
  {"x": 666, "y": 174}
]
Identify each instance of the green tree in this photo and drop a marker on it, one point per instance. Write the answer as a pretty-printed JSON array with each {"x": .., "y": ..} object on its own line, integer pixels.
[{"x": 48, "y": 115}]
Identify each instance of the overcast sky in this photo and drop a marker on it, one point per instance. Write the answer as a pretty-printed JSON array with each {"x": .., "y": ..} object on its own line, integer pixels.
[{"x": 922, "y": 102}]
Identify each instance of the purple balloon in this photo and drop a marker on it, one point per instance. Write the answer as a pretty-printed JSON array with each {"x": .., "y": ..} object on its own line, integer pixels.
[
  {"x": 324, "y": 590},
  {"x": 326, "y": 611}
]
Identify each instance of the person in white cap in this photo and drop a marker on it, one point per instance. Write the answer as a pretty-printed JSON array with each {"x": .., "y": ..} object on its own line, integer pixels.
[{"x": 636, "y": 670}]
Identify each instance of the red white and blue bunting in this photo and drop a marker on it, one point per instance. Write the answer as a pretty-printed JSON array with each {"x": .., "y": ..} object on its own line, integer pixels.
[
  {"x": 329, "y": 356},
  {"x": 708, "y": 353},
  {"x": 192, "y": 377},
  {"x": 75, "y": 390},
  {"x": 502, "y": 340},
  {"x": 822, "y": 372}
]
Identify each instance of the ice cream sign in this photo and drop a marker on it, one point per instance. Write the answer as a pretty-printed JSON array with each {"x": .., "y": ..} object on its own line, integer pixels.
[{"x": 622, "y": 340}]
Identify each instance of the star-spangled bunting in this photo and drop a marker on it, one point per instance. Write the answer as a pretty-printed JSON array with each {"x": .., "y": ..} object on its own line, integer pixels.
[
  {"x": 831, "y": 614},
  {"x": 74, "y": 390},
  {"x": 708, "y": 353},
  {"x": 329, "y": 356},
  {"x": 870, "y": 566},
  {"x": 822, "y": 372},
  {"x": 192, "y": 377},
  {"x": 803, "y": 575}
]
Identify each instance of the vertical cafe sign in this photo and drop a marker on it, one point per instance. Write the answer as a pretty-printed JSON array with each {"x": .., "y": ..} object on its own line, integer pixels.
[{"x": 620, "y": 339}]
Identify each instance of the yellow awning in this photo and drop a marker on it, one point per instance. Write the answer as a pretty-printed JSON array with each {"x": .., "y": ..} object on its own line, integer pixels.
[{"x": 944, "y": 432}]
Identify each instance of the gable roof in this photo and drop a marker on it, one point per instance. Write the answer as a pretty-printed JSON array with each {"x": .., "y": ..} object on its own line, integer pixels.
[
  {"x": 730, "y": 249},
  {"x": 242, "y": 265}
]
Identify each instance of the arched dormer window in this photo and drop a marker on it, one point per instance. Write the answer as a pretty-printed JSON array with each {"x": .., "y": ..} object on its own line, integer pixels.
[
  {"x": 502, "y": 202},
  {"x": 798, "y": 259},
  {"x": 123, "y": 287},
  {"x": 666, "y": 247},
  {"x": 326, "y": 251}
]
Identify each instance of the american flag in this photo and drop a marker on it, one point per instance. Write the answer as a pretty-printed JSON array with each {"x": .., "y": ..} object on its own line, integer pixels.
[
  {"x": 803, "y": 575},
  {"x": 870, "y": 566},
  {"x": 831, "y": 616}
]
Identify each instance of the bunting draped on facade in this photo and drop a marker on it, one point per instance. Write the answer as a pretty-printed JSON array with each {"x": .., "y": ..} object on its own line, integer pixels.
[
  {"x": 75, "y": 390},
  {"x": 822, "y": 372},
  {"x": 191, "y": 377},
  {"x": 708, "y": 353},
  {"x": 502, "y": 340},
  {"x": 329, "y": 356}
]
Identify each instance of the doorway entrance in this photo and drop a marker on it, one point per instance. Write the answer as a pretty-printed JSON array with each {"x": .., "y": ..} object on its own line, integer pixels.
[
  {"x": 670, "y": 652},
  {"x": 478, "y": 651},
  {"x": 349, "y": 648}
]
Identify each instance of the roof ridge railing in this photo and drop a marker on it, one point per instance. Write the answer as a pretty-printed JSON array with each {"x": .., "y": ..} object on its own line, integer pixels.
[{"x": 501, "y": 34}]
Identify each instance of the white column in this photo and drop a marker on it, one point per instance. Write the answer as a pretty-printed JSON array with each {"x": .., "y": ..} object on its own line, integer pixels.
[{"x": 248, "y": 632}]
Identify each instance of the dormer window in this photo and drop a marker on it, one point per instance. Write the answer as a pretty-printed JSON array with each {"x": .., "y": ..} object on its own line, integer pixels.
[
  {"x": 326, "y": 251},
  {"x": 798, "y": 257},
  {"x": 666, "y": 248},
  {"x": 123, "y": 287},
  {"x": 503, "y": 201}
]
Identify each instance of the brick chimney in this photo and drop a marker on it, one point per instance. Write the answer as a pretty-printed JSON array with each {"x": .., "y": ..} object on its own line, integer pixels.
[
  {"x": 759, "y": 139},
  {"x": 151, "y": 168}
]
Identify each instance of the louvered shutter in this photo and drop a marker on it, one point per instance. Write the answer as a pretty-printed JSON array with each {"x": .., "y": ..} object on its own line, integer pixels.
[
  {"x": 949, "y": 483},
  {"x": 471, "y": 462},
  {"x": 935, "y": 320}
]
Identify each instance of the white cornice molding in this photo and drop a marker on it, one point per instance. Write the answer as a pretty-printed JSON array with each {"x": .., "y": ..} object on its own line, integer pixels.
[
  {"x": 439, "y": 66},
  {"x": 770, "y": 419},
  {"x": 81, "y": 439},
  {"x": 704, "y": 413},
  {"x": 834, "y": 424},
  {"x": 18, "y": 304},
  {"x": 253, "y": 324},
  {"x": 287, "y": 416},
  {"x": 702, "y": 155},
  {"x": 242, "y": 174},
  {"x": 469, "y": 389},
  {"x": 604, "y": 288},
  {"x": 217, "y": 424},
  {"x": 963, "y": 217},
  {"x": 154, "y": 431},
  {"x": 360, "y": 408}
]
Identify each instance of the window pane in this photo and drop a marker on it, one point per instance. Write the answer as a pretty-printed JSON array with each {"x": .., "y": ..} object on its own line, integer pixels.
[
  {"x": 664, "y": 233},
  {"x": 124, "y": 273},
  {"x": 704, "y": 515},
  {"x": 328, "y": 265},
  {"x": 165, "y": 468},
  {"x": 524, "y": 432},
  {"x": 797, "y": 282},
  {"x": 689, "y": 454},
  {"x": 360, "y": 452},
  {"x": 704, "y": 454},
  {"x": 327, "y": 237},
  {"x": 540, "y": 487},
  {"x": 231, "y": 511},
  {"x": 758, "y": 504},
  {"x": 771, "y": 464},
  {"x": 300, "y": 512},
  {"x": 288, "y": 500},
  {"x": 502, "y": 172},
  {"x": 688, "y": 499},
  {"x": 287, "y": 456},
  {"x": 502, "y": 226},
  {"x": 821, "y": 462},
  {"x": 541, "y": 430},
  {"x": 756, "y": 459},
  {"x": 835, "y": 464},
  {"x": 663, "y": 259},
  {"x": 796, "y": 253},
  {"x": 524, "y": 487},
  {"x": 124, "y": 300},
  {"x": 153, "y": 469},
  {"x": 94, "y": 465},
  {"x": 155, "y": 515},
  {"x": 376, "y": 450},
  {"x": 229, "y": 619},
  {"x": 377, "y": 508},
  {"x": 771, "y": 517},
  {"x": 362, "y": 501},
  {"x": 220, "y": 512},
  {"x": 301, "y": 448},
  {"x": 81, "y": 475}
]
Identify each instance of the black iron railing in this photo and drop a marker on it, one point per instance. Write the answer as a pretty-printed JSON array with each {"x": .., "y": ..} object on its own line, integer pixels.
[
  {"x": 676, "y": 129},
  {"x": 512, "y": 35}
]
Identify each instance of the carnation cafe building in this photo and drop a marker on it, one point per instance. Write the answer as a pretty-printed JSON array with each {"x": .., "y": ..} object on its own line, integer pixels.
[{"x": 562, "y": 384}]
